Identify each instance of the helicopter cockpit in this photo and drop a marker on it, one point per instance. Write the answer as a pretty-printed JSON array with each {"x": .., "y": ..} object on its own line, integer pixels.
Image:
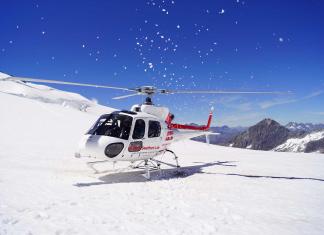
[{"x": 114, "y": 125}]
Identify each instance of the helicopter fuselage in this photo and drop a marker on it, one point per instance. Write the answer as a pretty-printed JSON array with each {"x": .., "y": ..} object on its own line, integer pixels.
[{"x": 132, "y": 136}]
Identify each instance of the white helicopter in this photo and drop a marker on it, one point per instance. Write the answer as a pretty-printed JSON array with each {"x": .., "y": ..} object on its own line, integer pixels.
[{"x": 139, "y": 134}]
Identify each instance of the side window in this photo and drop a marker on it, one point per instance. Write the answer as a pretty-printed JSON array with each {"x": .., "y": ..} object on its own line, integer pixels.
[
  {"x": 139, "y": 129},
  {"x": 154, "y": 129}
]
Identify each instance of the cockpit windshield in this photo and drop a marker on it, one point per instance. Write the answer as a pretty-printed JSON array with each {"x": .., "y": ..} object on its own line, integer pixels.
[{"x": 114, "y": 125}]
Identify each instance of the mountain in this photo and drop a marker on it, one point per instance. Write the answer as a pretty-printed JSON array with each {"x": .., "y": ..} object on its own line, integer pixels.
[
  {"x": 313, "y": 142},
  {"x": 225, "y": 134},
  {"x": 265, "y": 135},
  {"x": 315, "y": 146},
  {"x": 306, "y": 127}
]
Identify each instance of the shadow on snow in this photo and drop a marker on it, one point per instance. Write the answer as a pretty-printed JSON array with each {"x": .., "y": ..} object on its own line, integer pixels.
[
  {"x": 166, "y": 174},
  {"x": 183, "y": 172},
  {"x": 272, "y": 177}
]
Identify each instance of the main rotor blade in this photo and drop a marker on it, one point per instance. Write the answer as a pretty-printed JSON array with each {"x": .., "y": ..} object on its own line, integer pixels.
[
  {"x": 64, "y": 83},
  {"x": 125, "y": 96},
  {"x": 219, "y": 92}
]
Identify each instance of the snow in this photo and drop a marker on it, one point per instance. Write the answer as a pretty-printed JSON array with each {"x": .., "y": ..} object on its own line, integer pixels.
[
  {"x": 47, "y": 94},
  {"x": 299, "y": 144},
  {"x": 3, "y": 75},
  {"x": 221, "y": 190}
]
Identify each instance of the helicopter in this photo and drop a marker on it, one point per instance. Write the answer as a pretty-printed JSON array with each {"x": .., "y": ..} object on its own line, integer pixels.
[{"x": 138, "y": 135}]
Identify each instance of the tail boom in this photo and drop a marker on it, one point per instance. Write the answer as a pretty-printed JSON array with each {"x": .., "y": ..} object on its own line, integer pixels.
[{"x": 194, "y": 128}]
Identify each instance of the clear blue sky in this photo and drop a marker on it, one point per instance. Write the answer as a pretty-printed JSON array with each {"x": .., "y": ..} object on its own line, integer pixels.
[{"x": 223, "y": 44}]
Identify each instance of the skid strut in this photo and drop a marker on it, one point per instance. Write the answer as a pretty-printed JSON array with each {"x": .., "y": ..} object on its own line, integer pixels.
[
  {"x": 149, "y": 165},
  {"x": 175, "y": 157}
]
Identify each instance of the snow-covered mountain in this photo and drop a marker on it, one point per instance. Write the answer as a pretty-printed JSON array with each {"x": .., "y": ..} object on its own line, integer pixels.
[
  {"x": 265, "y": 135},
  {"x": 46, "y": 94},
  {"x": 310, "y": 143},
  {"x": 270, "y": 135},
  {"x": 306, "y": 127},
  {"x": 219, "y": 190}
]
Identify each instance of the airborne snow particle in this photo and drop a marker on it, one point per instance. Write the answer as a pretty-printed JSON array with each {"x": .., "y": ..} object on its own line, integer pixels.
[
  {"x": 10, "y": 41},
  {"x": 222, "y": 11},
  {"x": 43, "y": 32},
  {"x": 83, "y": 46},
  {"x": 178, "y": 26},
  {"x": 150, "y": 65},
  {"x": 281, "y": 39}
]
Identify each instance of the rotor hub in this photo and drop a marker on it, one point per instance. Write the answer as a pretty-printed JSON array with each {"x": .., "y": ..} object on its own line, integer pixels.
[{"x": 148, "y": 90}]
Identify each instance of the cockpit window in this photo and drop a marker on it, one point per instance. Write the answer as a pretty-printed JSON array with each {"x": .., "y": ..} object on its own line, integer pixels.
[
  {"x": 114, "y": 125},
  {"x": 139, "y": 129}
]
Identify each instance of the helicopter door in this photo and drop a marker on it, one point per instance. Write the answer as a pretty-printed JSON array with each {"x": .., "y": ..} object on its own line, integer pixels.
[
  {"x": 137, "y": 138},
  {"x": 153, "y": 140},
  {"x": 146, "y": 138}
]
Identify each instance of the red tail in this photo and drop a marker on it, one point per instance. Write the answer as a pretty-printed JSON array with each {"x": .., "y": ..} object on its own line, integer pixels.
[{"x": 196, "y": 128}]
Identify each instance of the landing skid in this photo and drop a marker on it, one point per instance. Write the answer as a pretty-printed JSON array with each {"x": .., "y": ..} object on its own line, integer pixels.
[
  {"x": 149, "y": 165},
  {"x": 91, "y": 165},
  {"x": 152, "y": 165}
]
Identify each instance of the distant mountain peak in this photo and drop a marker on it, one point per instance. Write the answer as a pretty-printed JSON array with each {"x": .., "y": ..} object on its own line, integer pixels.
[
  {"x": 268, "y": 122},
  {"x": 265, "y": 135},
  {"x": 306, "y": 127}
]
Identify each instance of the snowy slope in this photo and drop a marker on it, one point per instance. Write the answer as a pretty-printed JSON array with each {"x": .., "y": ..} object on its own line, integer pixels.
[
  {"x": 299, "y": 144},
  {"x": 221, "y": 190},
  {"x": 50, "y": 95}
]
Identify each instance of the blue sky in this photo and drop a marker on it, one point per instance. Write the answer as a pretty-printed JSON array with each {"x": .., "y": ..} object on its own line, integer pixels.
[{"x": 226, "y": 45}]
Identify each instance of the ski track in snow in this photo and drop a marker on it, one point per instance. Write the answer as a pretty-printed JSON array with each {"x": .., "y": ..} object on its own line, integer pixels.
[{"x": 219, "y": 190}]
